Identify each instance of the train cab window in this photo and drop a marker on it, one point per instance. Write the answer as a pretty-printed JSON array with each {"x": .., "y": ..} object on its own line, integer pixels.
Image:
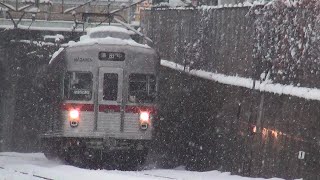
[
  {"x": 78, "y": 86},
  {"x": 110, "y": 87},
  {"x": 142, "y": 88}
]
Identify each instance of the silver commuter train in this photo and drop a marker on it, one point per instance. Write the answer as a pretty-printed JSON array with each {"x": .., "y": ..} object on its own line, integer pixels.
[{"x": 108, "y": 108}]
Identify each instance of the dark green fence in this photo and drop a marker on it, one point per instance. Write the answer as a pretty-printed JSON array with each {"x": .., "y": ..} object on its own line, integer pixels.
[{"x": 230, "y": 128}]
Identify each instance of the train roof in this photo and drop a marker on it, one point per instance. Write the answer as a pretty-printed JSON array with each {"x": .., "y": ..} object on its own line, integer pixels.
[
  {"x": 107, "y": 35},
  {"x": 108, "y": 29},
  {"x": 103, "y": 35}
]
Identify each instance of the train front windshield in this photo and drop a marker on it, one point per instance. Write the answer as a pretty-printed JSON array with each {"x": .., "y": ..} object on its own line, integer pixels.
[
  {"x": 142, "y": 88},
  {"x": 78, "y": 86}
]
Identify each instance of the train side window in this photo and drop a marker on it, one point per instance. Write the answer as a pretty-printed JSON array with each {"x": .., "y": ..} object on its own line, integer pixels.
[
  {"x": 110, "y": 87},
  {"x": 78, "y": 86},
  {"x": 142, "y": 88}
]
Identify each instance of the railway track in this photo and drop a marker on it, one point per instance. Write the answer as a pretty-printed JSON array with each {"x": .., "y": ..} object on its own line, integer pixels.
[
  {"x": 48, "y": 178},
  {"x": 158, "y": 176},
  {"x": 25, "y": 173},
  {"x": 41, "y": 177}
]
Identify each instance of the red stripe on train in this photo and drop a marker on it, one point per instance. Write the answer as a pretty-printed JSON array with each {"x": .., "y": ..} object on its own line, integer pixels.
[
  {"x": 113, "y": 108},
  {"x": 138, "y": 109},
  {"x": 104, "y": 108},
  {"x": 81, "y": 107},
  {"x": 128, "y": 109}
]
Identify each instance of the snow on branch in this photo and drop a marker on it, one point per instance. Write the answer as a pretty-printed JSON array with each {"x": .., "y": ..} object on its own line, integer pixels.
[
  {"x": 24, "y": 7},
  {"x": 10, "y": 7},
  {"x": 33, "y": 10},
  {"x": 36, "y": 43},
  {"x": 40, "y": 1},
  {"x": 287, "y": 37},
  {"x": 55, "y": 55}
]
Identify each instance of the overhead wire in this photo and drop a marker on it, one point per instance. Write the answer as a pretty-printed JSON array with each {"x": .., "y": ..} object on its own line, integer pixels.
[
  {"x": 95, "y": 6},
  {"x": 30, "y": 24},
  {"x": 107, "y": 18}
]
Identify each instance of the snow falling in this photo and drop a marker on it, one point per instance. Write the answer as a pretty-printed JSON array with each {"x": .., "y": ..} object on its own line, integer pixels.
[{"x": 183, "y": 90}]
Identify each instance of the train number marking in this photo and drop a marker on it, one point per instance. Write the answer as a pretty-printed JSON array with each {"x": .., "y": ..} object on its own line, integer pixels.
[{"x": 82, "y": 59}]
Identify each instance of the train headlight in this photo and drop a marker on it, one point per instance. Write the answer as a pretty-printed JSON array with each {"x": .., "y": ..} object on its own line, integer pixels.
[
  {"x": 74, "y": 114},
  {"x": 144, "y": 120},
  {"x": 144, "y": 116}
]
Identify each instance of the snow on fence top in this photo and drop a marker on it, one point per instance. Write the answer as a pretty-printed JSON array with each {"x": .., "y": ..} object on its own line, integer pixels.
[
  {"x": 42, "y": 25},
  {"x": 186, "y": 5},
  {"x": 36, "y": 43},
  {"x": 266, "y": 86},
  {"x": 183, "y": 5},
  {"x": 56, "y": 37},
  {"x": 41, "y": 1}
]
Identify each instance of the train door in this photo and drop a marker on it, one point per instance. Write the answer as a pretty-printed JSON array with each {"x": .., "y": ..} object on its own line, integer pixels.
[{"x": 110, "y": 100}]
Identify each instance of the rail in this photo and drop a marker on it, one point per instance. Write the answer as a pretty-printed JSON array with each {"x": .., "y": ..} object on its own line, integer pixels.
[{"x": 33, "y": 175}]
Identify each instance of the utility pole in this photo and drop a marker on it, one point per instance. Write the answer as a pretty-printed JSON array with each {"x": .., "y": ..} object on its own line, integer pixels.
[{"x": 130, "y": 12}]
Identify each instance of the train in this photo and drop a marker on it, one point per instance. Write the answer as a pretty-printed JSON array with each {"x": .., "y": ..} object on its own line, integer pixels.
[{"x": 108, "y": 86}]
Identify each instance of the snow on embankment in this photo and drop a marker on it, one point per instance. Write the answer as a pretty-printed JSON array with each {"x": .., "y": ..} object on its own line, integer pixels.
[
  {"x": 302, "y": 92},
  {"x": 25, "y": 166}
]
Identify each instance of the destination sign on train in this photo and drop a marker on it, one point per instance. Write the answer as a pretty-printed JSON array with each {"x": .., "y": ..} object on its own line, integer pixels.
[{"x": 111, "y": 56}]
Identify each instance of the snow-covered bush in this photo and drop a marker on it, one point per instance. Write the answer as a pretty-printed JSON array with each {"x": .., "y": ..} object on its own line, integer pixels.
[{"x": 287, "y": 38}]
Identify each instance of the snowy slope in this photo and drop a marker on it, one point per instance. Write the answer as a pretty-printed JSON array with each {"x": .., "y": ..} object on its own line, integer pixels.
[{"x": 21, "y": 166}]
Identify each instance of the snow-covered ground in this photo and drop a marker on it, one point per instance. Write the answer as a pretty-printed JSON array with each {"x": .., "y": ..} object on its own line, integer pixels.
[{"x": 21, "y": 166}]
